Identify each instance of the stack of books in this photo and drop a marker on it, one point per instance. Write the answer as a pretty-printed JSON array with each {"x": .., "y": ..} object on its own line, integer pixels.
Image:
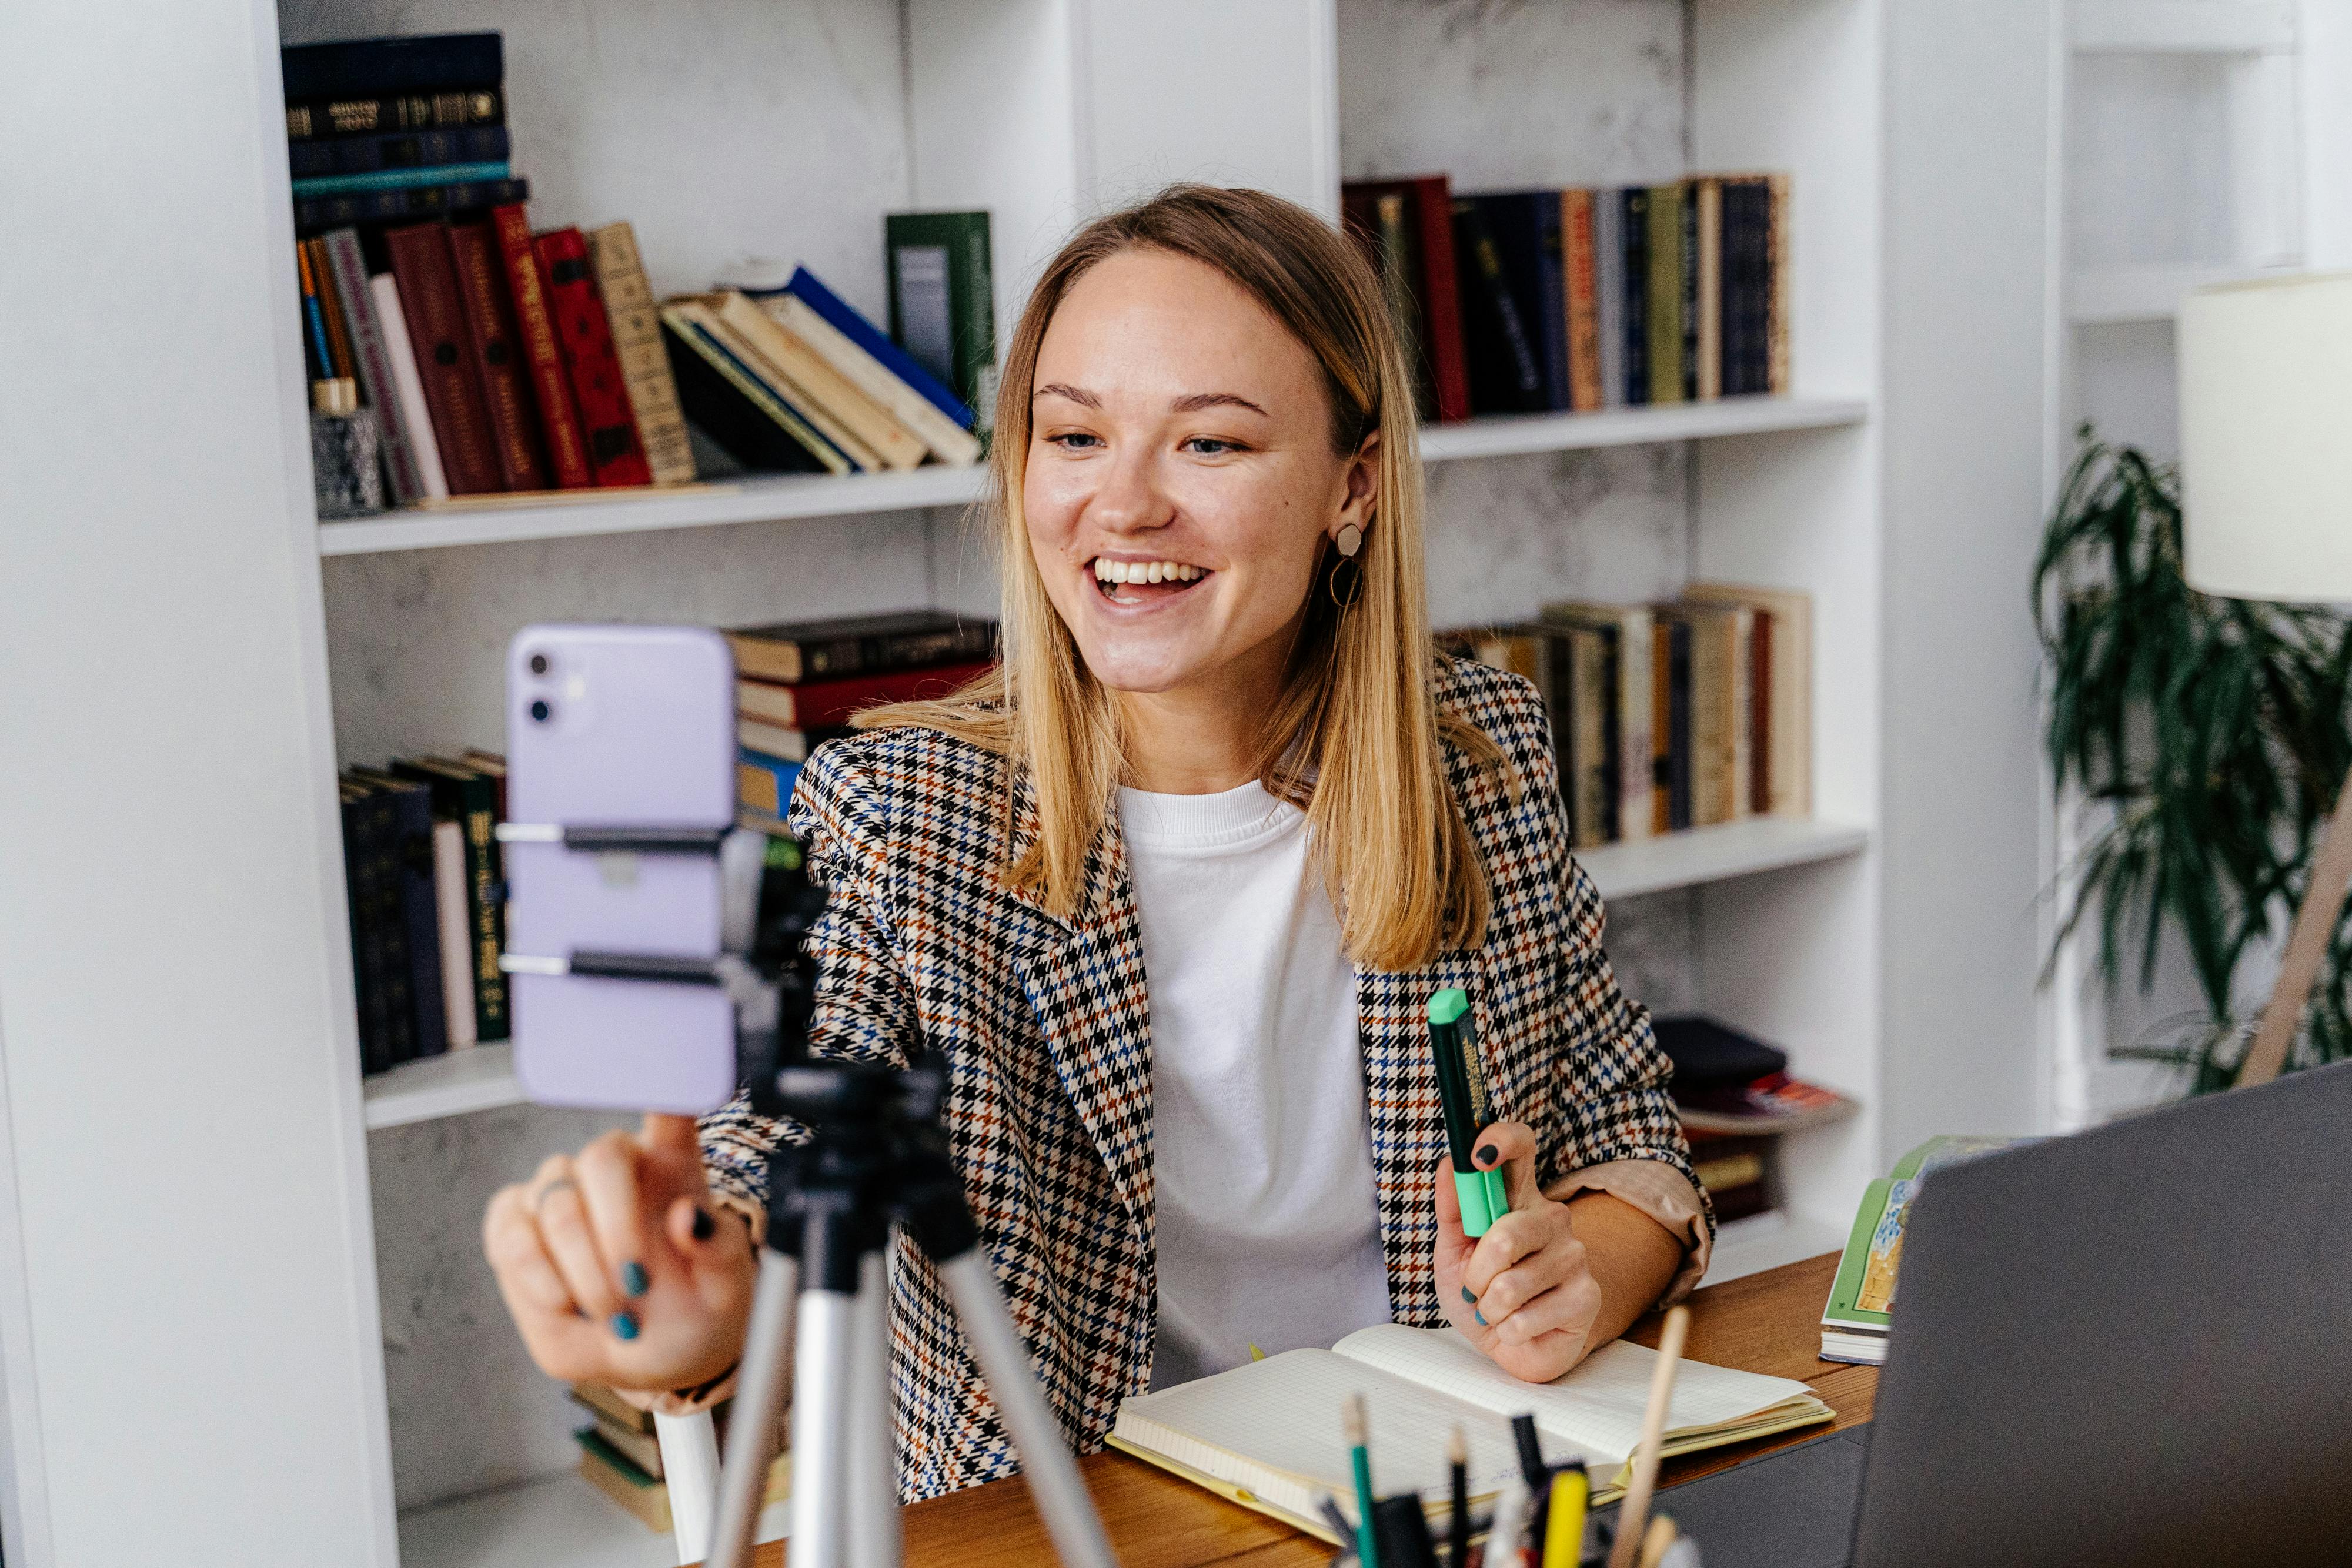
[
  {"x": 797, "y": 683},
  {"x": 1735, "y": 1096},
  {"x": 620, "y": 1457},
  {"x": 428, "y": 904},
  {"x": 392, "y": 129},
  {"x": 1665, "y": 716},
  {"x": 1550, "y": 300},
  {"x": 1860, "y": 1313}
]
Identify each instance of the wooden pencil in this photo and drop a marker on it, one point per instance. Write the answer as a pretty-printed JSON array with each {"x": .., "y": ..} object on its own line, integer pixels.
[{"x": 1634, "y": 1516}]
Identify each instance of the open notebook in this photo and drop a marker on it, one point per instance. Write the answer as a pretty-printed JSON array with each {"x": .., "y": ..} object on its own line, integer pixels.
[{"x": 1267, "y": 1435}]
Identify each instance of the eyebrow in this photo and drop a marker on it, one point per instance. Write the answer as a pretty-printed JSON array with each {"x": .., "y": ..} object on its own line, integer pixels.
[{"x": 1191, "y": 403}]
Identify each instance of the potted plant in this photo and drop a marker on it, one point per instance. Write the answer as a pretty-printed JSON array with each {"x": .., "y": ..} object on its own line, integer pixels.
[{"x": 2204, "y": 738}]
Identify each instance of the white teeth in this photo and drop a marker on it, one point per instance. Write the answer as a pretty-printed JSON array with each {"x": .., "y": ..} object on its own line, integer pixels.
[{"x": 1145, "y": 571}]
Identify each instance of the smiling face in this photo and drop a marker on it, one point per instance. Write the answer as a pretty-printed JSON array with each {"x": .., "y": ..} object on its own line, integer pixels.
[{"x": 1181, "y": 477}]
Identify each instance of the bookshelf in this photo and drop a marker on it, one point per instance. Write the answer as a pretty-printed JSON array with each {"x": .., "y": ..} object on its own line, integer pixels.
[{"x": 232, "y": 1046}]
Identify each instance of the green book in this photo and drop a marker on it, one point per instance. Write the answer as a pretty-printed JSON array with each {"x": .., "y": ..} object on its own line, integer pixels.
[
  {"x": 1861, "y": 1299},
  {"x": 1666, "y": 314},
  {"x": 470, "y": 799},
  {"x": 943, "y": 302}
]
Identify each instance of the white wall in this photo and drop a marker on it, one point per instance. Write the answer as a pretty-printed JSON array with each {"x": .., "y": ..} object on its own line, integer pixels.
[
  {"x": 181, "y": 1095},
  {"x": 1968, "y": 107}
]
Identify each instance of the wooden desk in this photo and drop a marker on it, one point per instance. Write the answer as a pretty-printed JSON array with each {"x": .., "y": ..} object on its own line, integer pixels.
[{"x": 1768, "y": 1323}]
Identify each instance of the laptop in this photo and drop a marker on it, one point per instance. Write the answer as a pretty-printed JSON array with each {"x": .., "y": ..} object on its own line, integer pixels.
[{"x": 2131, "y": 1346}]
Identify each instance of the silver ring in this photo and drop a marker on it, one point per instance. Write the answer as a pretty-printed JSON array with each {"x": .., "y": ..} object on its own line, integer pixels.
[{"x": 539, "y": 1204}]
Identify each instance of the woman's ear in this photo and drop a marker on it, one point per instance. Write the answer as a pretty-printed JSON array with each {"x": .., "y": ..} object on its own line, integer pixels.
[{"x": 1361, "y": 484}]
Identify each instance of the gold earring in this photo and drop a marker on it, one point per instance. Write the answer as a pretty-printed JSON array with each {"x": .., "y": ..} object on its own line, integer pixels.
[{"x": 1345, "y": 582}]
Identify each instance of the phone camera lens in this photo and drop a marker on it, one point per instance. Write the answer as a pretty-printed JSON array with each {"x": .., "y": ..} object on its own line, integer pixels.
[
  {"x": 539, "y": 664},
  {"x": 541, "y": 711}
]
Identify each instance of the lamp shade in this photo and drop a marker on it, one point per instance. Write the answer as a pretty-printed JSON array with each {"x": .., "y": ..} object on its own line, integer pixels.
[{"x": 2266, "y": 437}]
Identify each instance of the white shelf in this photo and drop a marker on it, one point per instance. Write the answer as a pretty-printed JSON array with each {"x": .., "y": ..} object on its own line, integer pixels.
[
  {"x": 2106, "y": 295},
  {"x": 476, "y": 1079},
  {"x": 775, "y": 498},
  {"x": 1711, "y": 854},
  {"x": 1510, "y": 434},
  {"x": 1767, "y": 1240},
  {"x": 559, "y": 1521},
  {"x": 2182, "y": 27}
]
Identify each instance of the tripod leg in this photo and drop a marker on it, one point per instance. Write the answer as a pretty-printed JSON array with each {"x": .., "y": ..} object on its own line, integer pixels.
[
  {"x": 874, "y": 1540},
  {"x": 759, "y": 1401},
  {"x": 821, "y": 1402},
  {"x": 1061, "y": 1495}
]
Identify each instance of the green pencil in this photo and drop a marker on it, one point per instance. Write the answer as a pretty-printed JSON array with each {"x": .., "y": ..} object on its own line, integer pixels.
[{"x": 1367, "y": 1552}]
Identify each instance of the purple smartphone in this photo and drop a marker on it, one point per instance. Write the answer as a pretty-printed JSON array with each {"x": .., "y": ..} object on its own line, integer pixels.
[{"x": 619, "y": 726}]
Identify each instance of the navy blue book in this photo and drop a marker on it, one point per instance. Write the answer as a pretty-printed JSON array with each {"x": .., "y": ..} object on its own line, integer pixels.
[
  {"x": 805, "y": 285},
  {"x": 409, "y": 853},
  {"x": 1499, "y": 328},
  {"x": 1634, "y": 230},
  {"x": 313, "y": 213},
  {"x": 372, "y": 67},
  {"x": 400, "y": 150},
  {"x": 1525, "y": 226}
]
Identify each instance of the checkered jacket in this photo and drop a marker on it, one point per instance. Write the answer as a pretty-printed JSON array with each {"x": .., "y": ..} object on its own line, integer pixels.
[{"x": 1046, "y": 1028}]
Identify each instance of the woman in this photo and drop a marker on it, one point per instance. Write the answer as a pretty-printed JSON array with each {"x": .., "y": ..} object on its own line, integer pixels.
[{"x": 1172, "y": 893}]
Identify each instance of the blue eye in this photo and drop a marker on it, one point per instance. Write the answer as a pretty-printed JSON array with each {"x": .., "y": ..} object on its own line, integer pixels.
[
  {"x": 1221, "y": 445},
  {"x": 1068, "y": 436}
]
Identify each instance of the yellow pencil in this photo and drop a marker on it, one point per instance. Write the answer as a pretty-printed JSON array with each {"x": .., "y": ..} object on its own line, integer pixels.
[{"x": 1564, "y": 1531}]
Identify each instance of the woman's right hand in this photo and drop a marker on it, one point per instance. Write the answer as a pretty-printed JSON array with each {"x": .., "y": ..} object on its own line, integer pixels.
[{"x": 618, "y": 1269}]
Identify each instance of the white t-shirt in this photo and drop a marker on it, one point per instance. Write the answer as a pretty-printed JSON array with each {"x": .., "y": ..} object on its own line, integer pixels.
[{"x": 1269, "y": 1229}]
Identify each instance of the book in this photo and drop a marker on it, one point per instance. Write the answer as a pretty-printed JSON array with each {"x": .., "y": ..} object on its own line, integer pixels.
[
  {"x": 469, "y": 798},
  {"x": 480, "y": 269},
  {"x": 407, "y": 388},
  {"x": 373, "y": 114},
  {"x": 1499, "y": 345},
  {"x": 559, "y": 414},
  {"x": 1634, "y": 272},
  {"x": 1779, "y": 287},
  {"x": 798, "y": 378},
  {"x": 1267, "y": 1435},
  {"x": 1787, "y": 674},
  {"x": 1734, "y": 1171},
  {"x": 398, "y": 150},
  {"x": 347, "y": 277},
  {"x": 806, "y": 287},
  {"x": 1665, "y": 293},
  {"x": 808, "y": 704},
  {"x": 610, "y": 1471},
  {"x": 763, "y": 784},
  {"x": 444, "y": 347},
  {"x": 642, "y": 1450},
  {"x": 946, "y": 440},
  {"x": 775, "y": 740},
  {"x": 1634, "y": 769},
  {"x": 644, "y": 364},
  {"x": 1579, "y": 262},
  {"x": 425, "y": 62},
  {"x": 1526, "y": 229},
  {"x": 792, "y": 651},
  {"x": 331, "y": 307},
  {"x": 1608, "y": 293},
  {"x": 611, "y": 1410},
  {"x": 943, "y": 302},
  {"x": 1582, "y": 657},
  {"x": 401, "y": 179},
  {"x": 1707, "y": 318},
  {"x": 1860, "y": 1312},
  {"x": 453, "y": 934},
  {"x": 405, "y": 204},
  {"x": 732, "y": 403},
  {"x": 1442, "y": 377},
  {"x": 591, "y": 363},
  {"x": 1670, "y": 732},
  {"x": 1717, "y": 687},
  {"x": 1396, "y": 265},
  {"x": 410, "y": 851},
  {"x": 366, "y": 818},
  {"x": 1686, "y": 295}
]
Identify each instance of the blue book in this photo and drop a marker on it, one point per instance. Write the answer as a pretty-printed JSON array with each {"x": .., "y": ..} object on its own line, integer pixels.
[
  {"x": 396, "y": 149},
  {"x": 403, "y": 179},
  {"x": 805, "y": 286},
  {"x": 377, "y": 67},
  {"x": 763, "y": 784}
]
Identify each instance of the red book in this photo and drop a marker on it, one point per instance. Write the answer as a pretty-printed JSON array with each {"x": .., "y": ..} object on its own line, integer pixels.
[
  {"x": 1430, "y": 201},
  {"x": 585, "y": 335},
  {"x": 481, "y": 287},
  {"x": 444, "y": 357},
  {"x": 812, "y": 705},
  {"x": 559, "y": 417}
]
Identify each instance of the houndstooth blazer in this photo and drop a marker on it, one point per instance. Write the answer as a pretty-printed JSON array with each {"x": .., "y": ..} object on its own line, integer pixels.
[{"x": 1046, "y": 1028}]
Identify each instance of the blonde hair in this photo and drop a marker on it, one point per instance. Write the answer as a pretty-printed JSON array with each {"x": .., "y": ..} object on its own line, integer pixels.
[{"x": 1355, "y": 738}]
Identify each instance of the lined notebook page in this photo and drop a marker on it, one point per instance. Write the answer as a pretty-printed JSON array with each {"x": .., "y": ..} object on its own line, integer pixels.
[
  {"x": 1281, "y": 1417},
  {"x": 1596, "y": 1408}
]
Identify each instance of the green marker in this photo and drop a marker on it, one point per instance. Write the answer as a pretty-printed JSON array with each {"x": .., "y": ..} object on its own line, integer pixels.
[{"x": 1462, "y": 1089}]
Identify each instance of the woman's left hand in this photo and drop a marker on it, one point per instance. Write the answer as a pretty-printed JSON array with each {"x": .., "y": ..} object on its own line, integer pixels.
[{"x": 1523, "y": 1292}]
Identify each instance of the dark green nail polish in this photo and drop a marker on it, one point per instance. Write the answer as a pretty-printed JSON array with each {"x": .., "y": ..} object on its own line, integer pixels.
[
  {"x": 1474, "y": 1312},
  {"x": 1487, "y": 1154},
  {"x": 633, "y": 1278},
  {"x": 624, "y": 1324},
  {"x": 1467, "y": 1299}
]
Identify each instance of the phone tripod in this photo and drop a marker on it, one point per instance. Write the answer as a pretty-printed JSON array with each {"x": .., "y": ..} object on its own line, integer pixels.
[{"x": 875, "y": 1160}]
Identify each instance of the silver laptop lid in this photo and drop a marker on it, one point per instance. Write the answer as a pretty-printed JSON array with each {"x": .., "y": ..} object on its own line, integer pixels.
[{"x": 2132, "y": 1346}]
